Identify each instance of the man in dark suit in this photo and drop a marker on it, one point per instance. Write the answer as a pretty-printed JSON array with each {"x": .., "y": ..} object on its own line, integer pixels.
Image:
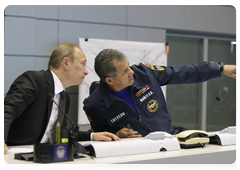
[{"x": 28, "y": 111}]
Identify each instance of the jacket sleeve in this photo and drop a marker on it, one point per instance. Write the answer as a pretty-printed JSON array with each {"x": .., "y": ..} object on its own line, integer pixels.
[
  {"x": 21, "y": 94},
  {"x": 180, "y": 74},
  {"x": 84, "y": 136}
]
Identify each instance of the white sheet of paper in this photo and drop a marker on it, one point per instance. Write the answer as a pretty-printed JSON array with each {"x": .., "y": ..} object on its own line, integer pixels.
[{"x": 19, "y": 150}]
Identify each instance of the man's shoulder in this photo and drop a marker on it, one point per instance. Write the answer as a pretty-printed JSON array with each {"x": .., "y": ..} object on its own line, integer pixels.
[
  {"x": 94, "y": 97},
  {"x": 32, "y": 76},
  {"x": 137, "y": 66},
  {"x": 36, "y": 74},
  {"x": 95, "y": 100},
  {"x": 33, "y": 73},
  {"x": 140, "y": 67}
]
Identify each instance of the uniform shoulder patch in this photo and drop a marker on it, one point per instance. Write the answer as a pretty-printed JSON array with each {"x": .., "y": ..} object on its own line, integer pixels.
[{"x": 154, "y": 67}]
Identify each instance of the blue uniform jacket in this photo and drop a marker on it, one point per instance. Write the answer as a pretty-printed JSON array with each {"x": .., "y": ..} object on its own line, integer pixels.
[{"x": 107, "y": 112}]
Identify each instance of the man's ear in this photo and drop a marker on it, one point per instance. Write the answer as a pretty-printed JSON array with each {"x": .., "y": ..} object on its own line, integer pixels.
[
  {"x": 109, "y": 81},
  {"x": 65, "y": 62}
]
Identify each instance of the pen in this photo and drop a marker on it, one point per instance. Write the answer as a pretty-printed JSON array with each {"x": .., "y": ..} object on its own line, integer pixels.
[
  {"x": 58, "y": 133},
  {"x": 129, "y": 127},
  {"x": 49, "y": 136}
]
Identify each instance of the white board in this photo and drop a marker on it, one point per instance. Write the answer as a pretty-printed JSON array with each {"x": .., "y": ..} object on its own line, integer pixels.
[{"x": 136, "y": 52}]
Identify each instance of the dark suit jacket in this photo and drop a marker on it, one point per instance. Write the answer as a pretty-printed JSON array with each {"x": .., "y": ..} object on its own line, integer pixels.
[{"x": 27, "y": 108}]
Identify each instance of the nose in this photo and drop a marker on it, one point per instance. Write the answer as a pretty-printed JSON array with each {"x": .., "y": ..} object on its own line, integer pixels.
[
  {"x": 86, "y": 71},
  {"x": 131, "y": 72}
]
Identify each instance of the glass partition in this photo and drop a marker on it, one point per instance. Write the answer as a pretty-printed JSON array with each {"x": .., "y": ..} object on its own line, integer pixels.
[
  {"x": 220, "y": 115},
  {"x": 183, "y": 101}
]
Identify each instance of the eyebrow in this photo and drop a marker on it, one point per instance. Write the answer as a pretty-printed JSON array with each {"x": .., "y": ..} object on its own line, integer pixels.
[{"x": 125, "y": 71}]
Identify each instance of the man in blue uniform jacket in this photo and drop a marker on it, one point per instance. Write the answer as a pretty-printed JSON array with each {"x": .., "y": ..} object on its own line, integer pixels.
[{"x": 131, "y": 96}]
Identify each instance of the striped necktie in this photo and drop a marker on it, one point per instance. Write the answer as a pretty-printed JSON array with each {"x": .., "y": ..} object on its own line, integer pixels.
[{"x": 62, "y": 103}]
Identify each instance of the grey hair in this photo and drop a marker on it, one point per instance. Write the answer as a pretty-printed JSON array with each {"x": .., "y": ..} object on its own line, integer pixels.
[{"x": 104, "y": 66}]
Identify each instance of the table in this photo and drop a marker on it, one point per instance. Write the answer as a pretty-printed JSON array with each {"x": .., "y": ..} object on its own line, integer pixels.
[{"x": 210, "y": 154}]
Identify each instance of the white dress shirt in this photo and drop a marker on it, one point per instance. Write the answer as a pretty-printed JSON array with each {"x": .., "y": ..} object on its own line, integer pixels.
[{"x": 53, "y": 117}]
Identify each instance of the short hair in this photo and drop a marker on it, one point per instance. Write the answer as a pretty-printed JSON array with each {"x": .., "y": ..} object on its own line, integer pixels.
[
  {"x": 63, "y": 50},
  {"x": 104, "y": 66}
]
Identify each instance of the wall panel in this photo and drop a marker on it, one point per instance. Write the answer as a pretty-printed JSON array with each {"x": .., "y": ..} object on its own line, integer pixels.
[
  {"x": 70, "y": 32},
  {"x": 47, "y": 11},
  {"x": 162, "y": 16},
  {"x": 217, "y": 19},
  {"x": 19, "y": 36},
  {"x": 146, "y": 34},
  {"x": 46, "y": 37},
  {"x": 21, "y": 10},
  {"x": 114, "y": 14},
  {"x": 15, "y": 66}
]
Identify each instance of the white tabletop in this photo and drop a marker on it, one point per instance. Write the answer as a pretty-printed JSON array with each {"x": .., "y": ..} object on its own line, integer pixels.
[{"x": 210, "y": 154}]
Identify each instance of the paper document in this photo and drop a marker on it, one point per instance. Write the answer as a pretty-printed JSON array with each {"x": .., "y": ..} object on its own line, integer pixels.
[{"x": 19, "y": 150}]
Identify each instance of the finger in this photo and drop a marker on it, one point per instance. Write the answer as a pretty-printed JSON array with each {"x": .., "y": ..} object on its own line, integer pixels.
[
  {"x": 125, "y": 129},
  {"x": 132, "y": 133},
  {"x": 114, "y": 137},
  {"x": 234, "y": 75},
  {"x": 136, "y": 136},
  {"x": 106, "y": 138},
  {"x": 235, "y": 72}
]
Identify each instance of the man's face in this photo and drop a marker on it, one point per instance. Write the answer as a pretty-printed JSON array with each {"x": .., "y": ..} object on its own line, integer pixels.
[
  {"x": 124, "y": 77},
  {"x": 77, "y": 68}
]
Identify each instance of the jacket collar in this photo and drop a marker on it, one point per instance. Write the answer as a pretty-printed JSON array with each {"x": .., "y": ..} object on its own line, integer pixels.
[
  {"x": 50, "y": 88},
  {"x": 110, "y": 98}
]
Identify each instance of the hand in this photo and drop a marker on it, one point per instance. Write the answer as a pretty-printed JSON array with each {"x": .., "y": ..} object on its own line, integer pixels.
[
  {"x": 106, "y": 136},
  {"x": 230, "y": 70},
  {"x": 127, "y": 133},
  {"x": 5, "y": 148}
]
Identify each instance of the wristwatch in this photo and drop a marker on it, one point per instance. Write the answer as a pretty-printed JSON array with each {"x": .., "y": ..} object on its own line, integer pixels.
[{"x": 221, "y": 66}]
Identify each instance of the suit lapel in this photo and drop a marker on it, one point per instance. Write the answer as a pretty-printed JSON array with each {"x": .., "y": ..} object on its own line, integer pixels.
[{"x": 50, "y": 88}]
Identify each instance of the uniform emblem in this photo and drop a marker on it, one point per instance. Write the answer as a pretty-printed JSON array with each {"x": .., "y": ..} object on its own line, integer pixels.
[
  {"x": 60, "y": 152},
  {"x": 142, "y": 90},
  {"x": 152, "y": 105},
  {"x": 154, "y": 67}
]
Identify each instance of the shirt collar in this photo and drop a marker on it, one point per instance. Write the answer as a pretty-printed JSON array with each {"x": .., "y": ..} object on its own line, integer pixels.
[{"x": 57, "y": 84}]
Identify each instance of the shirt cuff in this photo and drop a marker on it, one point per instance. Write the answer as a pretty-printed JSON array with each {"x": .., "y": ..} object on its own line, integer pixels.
[{"x": 91, "y": 136}]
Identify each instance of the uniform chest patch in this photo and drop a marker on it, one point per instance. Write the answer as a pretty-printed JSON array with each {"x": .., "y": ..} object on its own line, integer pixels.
[
  {"x": 119, "y": 116},
  {"x": 142, "y": 90},
  {"x": 152, "y": 105},
  {"x": 144, "y": 97}
]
